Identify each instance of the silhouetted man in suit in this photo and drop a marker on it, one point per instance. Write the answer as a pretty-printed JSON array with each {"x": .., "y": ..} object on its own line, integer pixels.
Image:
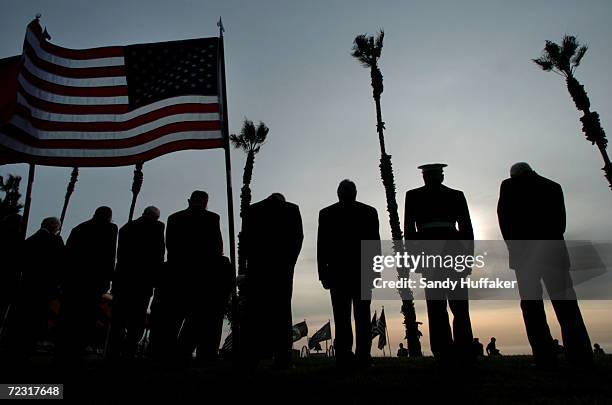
[
  {"x": 342, "y": 227},
  {"x": 272, "y": 241},
  {"x": 437, "y": 212},
  {"x": 11, "y": 240},
  {"x": 478, "y": 348},
  {"x": 531, "y": 213},
  {"x": 187, "y": 292},
  {"x": 43, "y": 269},
  {"x": 140, "y": 256},
  {"x": 91, "y": 249}
]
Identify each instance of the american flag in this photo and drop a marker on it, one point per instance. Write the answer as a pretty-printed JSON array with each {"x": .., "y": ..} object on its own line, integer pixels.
[
  {"x": 374, "y": 326},
  {"x": 110, "y": 106}
]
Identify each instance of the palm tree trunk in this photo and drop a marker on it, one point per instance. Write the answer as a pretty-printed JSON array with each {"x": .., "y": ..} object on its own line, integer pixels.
[
  {"x": 591, "y": 126},
  {"x": 245, "y": 202},
  {"x": 386, "y": 173},
  {"x": 74, "y": 176}
]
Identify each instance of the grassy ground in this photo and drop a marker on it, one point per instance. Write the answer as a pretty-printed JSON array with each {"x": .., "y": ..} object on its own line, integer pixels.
[{"x": 508, "y": 379}]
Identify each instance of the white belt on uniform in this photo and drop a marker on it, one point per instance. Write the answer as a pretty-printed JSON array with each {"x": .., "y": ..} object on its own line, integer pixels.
[{"x": 436, "y": 224}]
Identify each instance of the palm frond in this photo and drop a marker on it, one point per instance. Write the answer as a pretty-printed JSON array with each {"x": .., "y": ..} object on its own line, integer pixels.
[
  {"x": 579, "y": 55},
  {"x": 544, "y": 63},
  {"x": 363, "y": 50},
  {"x": 378, "y": 45}
]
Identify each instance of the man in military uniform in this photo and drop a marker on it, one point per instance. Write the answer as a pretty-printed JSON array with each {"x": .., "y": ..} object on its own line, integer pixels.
[{"x": 437, "y": 212}]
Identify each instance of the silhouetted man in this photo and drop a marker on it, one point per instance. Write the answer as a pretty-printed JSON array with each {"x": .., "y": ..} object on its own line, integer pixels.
[
  {"x": 492, "y": 349},
  {"x": 531, "y": 213},
  {"x": 402, "y": 351},
  {"x": 598, "y": 351},
  {"x": 272, "y": 238},
  {"x": 11, "y": 240},
  {"x": 42, "y": 273},
  {"x": 478, "y": 348},
  {"x": 140, "y": 256},
  {"x": 91, "y": 249},
  {"x": 188, "y": 295},
  {"x": 437, "y": 212},
  {"x": 342, "y": 228}
]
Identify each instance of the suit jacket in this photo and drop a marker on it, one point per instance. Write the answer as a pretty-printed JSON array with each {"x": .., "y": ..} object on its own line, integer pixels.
[
  {"x": 140, "y": 253},
  {"x": 193, "y": 238},
  {"x": 91, "y": 248},
  {"x": 45, "y": 262},
  {"x": 531, "y": 207},
  {"x": 272, "y": 237},
  {"x": 342, "y": 228}
]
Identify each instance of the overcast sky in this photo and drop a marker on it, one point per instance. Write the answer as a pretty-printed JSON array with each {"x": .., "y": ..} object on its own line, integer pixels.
[{"x": 460, "y": 88}]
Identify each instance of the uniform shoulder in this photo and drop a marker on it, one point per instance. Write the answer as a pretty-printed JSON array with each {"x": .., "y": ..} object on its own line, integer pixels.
[{"x": 414, "y": 191}]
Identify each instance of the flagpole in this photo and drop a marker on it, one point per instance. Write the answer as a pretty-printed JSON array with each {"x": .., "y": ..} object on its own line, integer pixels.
[
  {"x": 136, "y": 186},
  {"x": 230, "y": 197},
  {"x": 388, "y": 340},
  {"x": 74, "y": 176},
  {"x": 28, "y": 199}
]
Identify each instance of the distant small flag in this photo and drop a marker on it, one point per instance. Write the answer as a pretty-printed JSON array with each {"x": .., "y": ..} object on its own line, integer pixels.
[
  {"x": 227, "y": 344},
  {"x": 381, "y": 328},
  {"x": 374, "y": 326},
  {"x": 300, "y": 330},
  {"x": 321, "y": 335}
]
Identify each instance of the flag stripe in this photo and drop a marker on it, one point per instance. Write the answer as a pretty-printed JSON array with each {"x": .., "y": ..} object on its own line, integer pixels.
[
  {"x": 189, "y": 112},
  {"x": 109, "y": 160},
  {"x": 11, "y": 142},
  {"x": 61, "y": 99},
  {"x": 44, "y": 105},
  {"x": 104, "y": 71},
  {"x": 98, "y": 91},
  {"x": 71, "y": 81},
  {"x": 18, "y": 132},
  {"x": 41, "y": 109},
  {"x": 75, "y": 58}
]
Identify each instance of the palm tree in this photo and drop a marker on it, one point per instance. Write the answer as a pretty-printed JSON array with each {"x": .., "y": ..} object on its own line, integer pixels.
[
  {"x": 563, "y": 60},
  {"x": 250, "y": 140},
  {"x": 10, "y": 203},
  {"x": 367, "y": 50}
]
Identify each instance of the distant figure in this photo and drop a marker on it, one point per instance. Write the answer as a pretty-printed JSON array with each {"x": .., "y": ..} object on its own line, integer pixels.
[
  {"x": 140, "y": 256},
  {"x": 492, "y": 348},
  {"x": 272, "y": 241},
  {"x": 43, "y": 270},
  {"x": 478, "y": 348},
  {"x": 531, "y": 214},
  {"x": 402, "y": 351},
  {"x": 187, "y": 293},
  {"x": 342, "y": 227},
  {"x": 597, "y": 350},
  {"x": 436, "y": 212},
  {"x": 91, "y": 249},
  {"x": 558, "y": 347}
]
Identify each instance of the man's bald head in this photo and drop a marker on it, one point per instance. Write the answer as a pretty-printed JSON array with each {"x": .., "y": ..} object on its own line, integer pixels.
[
  {"x": 520, "y": 169},
  {"x": 151, "y": 212}
]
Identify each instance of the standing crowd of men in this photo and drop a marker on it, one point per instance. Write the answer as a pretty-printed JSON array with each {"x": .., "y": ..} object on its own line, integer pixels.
[{"x": 190, "y": 286}]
